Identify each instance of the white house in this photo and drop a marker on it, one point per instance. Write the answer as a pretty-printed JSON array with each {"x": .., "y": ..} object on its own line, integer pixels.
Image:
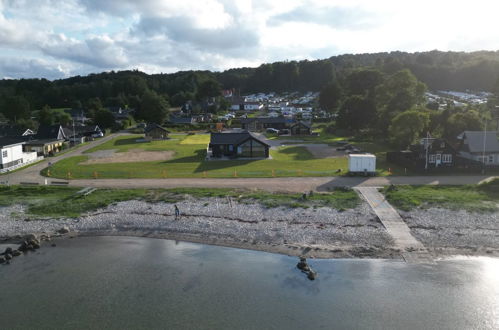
[
  {"x": 12, "y": 155},
  {"x": 480, "y": 146},
  {"x": 252, "y": 106}
]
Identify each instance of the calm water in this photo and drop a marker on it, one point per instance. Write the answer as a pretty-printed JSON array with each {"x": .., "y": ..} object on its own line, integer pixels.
[{"x": 121, "y": 282}]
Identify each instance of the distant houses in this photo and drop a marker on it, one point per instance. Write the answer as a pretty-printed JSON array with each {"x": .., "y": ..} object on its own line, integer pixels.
[{"x": 241, "y": 145}]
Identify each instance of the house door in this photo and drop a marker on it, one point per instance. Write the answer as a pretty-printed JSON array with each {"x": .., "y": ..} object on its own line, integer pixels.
[{"x": 438, "y": 159}]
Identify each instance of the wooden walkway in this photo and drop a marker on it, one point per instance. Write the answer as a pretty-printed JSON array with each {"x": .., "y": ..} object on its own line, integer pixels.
[{"x": 412, "y": 250}]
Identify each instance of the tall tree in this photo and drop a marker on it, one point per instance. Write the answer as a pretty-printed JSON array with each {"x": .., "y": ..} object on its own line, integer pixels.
[
  {"x": 153, "y": 108},
  {"x": 330, "y": 96},
  {"x": 407, "y": 126},
  {"x": 356, "y": 112},
  {"x": 46, "y": 116}
]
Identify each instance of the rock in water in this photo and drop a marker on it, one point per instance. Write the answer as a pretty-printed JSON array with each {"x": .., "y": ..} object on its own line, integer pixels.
[
  {"x": 8, "y": 251},
  {"x": 16, "y": 253},
  {"x": 302, "y": 265},
  {"x": 311, "y": 275},
  {"x": 2, "y": 259},
  {"x": 8, "y": 256},
  {"x": 63, "y": 230}
]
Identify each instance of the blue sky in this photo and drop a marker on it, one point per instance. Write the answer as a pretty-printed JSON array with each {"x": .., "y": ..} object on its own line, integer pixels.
[{"x": 60, "y": 38}]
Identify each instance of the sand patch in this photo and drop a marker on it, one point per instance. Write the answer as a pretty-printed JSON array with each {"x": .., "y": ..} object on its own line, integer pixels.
[{"x": 130, "y": 156}]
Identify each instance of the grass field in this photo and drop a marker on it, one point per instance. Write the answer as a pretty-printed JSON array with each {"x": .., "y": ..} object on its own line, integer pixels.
[
  {"x": 65, "y": 201},
  {"x": 189, "y": 161},
  {"x": 480, "y": 198}
]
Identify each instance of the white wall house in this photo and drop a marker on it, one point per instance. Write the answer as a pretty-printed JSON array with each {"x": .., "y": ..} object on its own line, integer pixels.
[
  {"x": 12, "y": 155},
  {"x": 480, "y": 146},
  {"x": 253, "y": 106}
]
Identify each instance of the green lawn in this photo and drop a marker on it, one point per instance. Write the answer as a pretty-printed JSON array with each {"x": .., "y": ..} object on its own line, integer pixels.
[
  {"x": 49, "y": 201},
  {"x": 480, "y": 198},
  {"x": 189, "y": 161}
]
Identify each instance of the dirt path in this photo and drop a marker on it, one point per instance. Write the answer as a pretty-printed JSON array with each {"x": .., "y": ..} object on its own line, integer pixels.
[{"x": 296, "y": 184}]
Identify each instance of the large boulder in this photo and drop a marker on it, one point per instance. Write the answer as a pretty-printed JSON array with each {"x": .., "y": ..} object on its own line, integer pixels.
[
  {"x": 8, "y": 251},
  {"x": 63, "y": 230},
  {"x": 16, "y": 253},
  {"x": 2, "y": 259}
]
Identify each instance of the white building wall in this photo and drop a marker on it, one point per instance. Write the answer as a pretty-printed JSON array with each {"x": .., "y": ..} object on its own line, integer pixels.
[{"x": 13, "y": 153}]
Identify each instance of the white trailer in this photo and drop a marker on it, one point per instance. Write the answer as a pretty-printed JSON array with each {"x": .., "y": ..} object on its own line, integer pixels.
[{"x": 364, "y": 164}]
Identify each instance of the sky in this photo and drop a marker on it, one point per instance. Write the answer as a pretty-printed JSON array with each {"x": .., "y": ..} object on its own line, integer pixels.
[{"x": 60, "y": 38}]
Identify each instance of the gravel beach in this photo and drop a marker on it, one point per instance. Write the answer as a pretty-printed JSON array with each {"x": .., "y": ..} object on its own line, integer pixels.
[{"x": 314, "y": 232}]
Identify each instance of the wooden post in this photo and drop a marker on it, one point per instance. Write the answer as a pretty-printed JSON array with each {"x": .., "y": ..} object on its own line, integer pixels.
[
  {"x": 164, "y": 174},
  {"x": 204, "y": 174},
  {"x": 273, "y": 173},
  {"x": 235, "y": 173},
  {"x": 69, "y": 175},
  {"x": 95, "y": 175},
  {"x": 48, "y": 172},
  {"x": 300, "y": 173}
]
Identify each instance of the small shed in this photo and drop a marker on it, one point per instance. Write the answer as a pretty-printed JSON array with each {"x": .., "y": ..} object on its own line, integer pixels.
[
  {"x": 155, "y": 132},
  {"x": 301, "y": 128},
  {"x": 364, "y": 164},
  {"x": 238, "y": 145}
]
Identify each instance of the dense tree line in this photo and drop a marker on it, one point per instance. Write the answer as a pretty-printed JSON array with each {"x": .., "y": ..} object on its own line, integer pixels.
[{"x": 366, "y": 90}]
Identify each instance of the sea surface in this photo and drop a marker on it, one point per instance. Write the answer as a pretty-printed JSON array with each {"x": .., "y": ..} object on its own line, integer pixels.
[{"x": 143, "y": 283}]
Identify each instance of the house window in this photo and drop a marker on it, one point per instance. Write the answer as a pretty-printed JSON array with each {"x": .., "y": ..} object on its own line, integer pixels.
[
  {"x": 491, "y": 158},
  {"x": 442, "y": 145},
  {"x": 447, "y": 158},
  {"x": 4, "y": 153},
  {"x": 431, "y": 159}
]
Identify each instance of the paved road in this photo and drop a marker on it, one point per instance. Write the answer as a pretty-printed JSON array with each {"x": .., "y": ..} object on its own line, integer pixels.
[{"x": 32, "y": 173}]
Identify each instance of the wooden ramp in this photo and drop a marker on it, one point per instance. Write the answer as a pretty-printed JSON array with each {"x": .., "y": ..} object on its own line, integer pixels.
[{"x": 413, "y": 251}]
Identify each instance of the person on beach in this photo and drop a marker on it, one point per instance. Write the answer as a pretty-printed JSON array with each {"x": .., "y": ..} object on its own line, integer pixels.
[{"x": 177, "y": 212}]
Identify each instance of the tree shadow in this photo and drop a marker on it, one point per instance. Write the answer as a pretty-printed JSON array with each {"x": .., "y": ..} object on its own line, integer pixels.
[
  {"x": 198, "y": 157},
  {"x": 299, "y": 153},
  {"x": 134, "y": 140}
]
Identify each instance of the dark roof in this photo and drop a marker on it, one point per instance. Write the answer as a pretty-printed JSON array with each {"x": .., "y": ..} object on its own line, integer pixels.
[
  {"x": 39, "y": 142},
  {"x": 9, "y": 141},
  {"x": 234, "y": 138},
  {"x": 50, "y": 132},
  {"x": 267, "y": 120},
  {"x": 152, "y": 126},
  {"x": 181, "y": 120},
  {"x": 13, "y": 131},
  {"x": 302, "y": 123},
  {"x": 475, "y": 141},
  {"x": 81, "y": 130}
]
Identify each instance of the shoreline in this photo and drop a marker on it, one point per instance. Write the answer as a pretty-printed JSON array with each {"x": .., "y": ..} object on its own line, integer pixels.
[{"x": 320, "y": 232}]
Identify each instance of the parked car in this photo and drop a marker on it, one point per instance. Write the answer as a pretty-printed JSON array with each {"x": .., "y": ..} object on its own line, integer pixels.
[
  {"x": 272, "y": 130},
  {"x": 284, "y": 131}
]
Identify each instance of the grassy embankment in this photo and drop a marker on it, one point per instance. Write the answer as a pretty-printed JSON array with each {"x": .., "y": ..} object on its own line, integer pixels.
[
  {"x": 478, "y": 198},
  {"x": 66, "y": 201},
  {"x": 189, "y": 161}
]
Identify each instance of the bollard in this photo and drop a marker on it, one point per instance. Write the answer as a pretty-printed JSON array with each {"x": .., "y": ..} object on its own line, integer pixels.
[
  {"x": 164, "y": 174},
  {"x": 69, "y": 175},
  {"x": 273, "y": 173},
  {"x": 48, "y": 172},
  {"x": 95, "y": 175},
  {"x": 235, "y": 173},
  {"x": 204, "y": 174}
]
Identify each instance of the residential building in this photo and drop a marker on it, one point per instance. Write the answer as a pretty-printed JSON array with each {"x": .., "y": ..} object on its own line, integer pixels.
[
  {"x": 47, "y": 141},
  {"x": 12, "y": 155},
  {"x": 479, "y": 146},
  {"x": 155, "y": 132},
  {"x": 237, "y": 145}
]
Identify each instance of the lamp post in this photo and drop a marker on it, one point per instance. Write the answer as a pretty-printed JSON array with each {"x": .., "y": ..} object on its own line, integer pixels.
[{"x": 483, "y": 150}]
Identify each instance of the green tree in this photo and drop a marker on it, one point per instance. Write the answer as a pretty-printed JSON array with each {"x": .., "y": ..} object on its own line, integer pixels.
[
  {"x": 104, "y": 118},
  {"x": 363, "y": 81},
  {"x": 356, "y": 112},
  {"x": 207, "y": 89},
  {"x": 153, "y": 108},
  {"x": 407, "y": 126},
  {"x": 330, "y": 96},
  {"x": 46, "y": 116},
  {"x": 16, "y": 107},
  {"x": 462, "y": 121},
  {"x": 62, "y": 118}
]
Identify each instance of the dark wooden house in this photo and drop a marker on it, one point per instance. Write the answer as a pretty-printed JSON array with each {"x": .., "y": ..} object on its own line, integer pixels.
[
  {"x": 237, "y": 145},
  {"x": 155, "y": 132},
  {"x": 301, "y": 128},
  {"x": 429, "y": 154}
]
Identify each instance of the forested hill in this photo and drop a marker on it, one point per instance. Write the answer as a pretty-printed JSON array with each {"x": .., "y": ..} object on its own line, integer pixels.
[{"x": 439, "y": 70}]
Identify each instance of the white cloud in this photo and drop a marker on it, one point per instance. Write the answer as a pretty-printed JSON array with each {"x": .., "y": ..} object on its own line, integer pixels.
[{"x": 170, "y": 35}]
